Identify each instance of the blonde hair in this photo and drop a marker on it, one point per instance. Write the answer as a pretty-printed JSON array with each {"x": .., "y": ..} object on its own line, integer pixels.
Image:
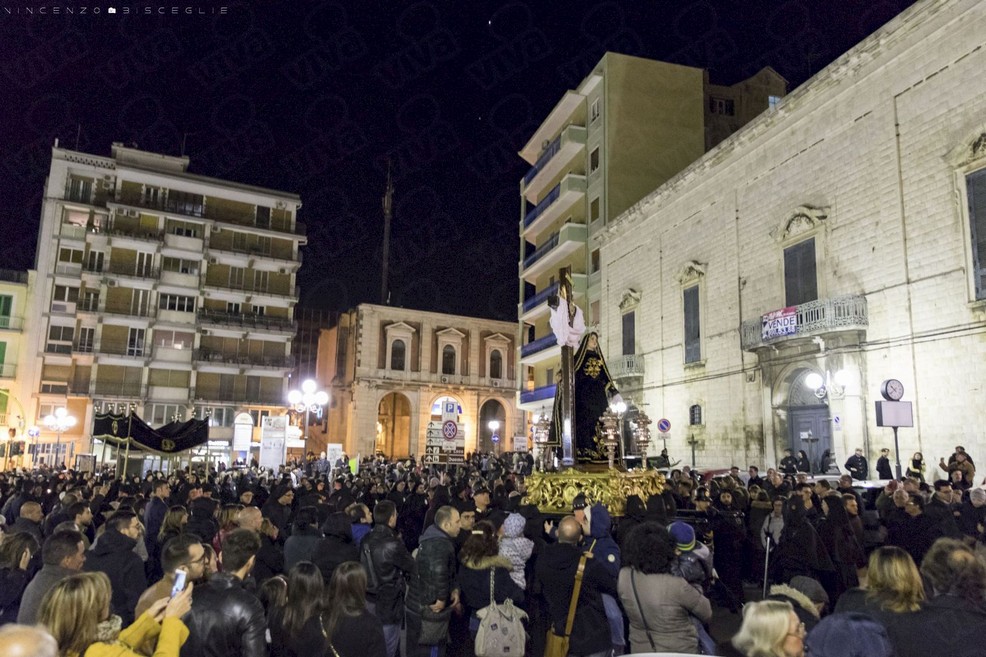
[
  {"x": 893, "y": 580},
  {"x": 73, "y": 609},
  {"x": 765, "y": 626}
]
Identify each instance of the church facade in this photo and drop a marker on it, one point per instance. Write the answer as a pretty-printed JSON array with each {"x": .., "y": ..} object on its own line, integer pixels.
[{"x": 834, "y": 243}]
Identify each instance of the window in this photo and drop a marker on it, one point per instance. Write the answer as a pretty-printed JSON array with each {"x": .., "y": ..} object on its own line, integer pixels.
[
  {"x": 87, "y": 337},
  {"x": 180, "y": 265},
  {"x": 79, "y": 189},
  {"x": 173, "y": 339},
  {"x": 724, "y": 106},
  {"x": 695, "y": 415},
  {"x": 6, "y": 303},
  {"x": 169, "y": 378},
  {"x": 218, "y": 416},
  {"x": 185, "y": 203},
  {"x": 145, "y": 264},
  {"x": 629, "y": 332},
  {"x": 258, "y": 310},
  {"x": 239, "y": 241},
  {"x": 135, "y": 342},
  {"x": 165, "y": 413},
  {"x": 594, "y": 261},
  {"x": 496, "y": 364},
  {"x": 772, "y": 101},
  {"x": 263, "y": 217},
  {"x": 90, "y": 301},
  {"x": 976, "y": 191},
  {"x": 800, "y": 283},
  {"x": 448, "y": 359},
  {"x": 253, "y": 388},
  {"x": 54, "y": 387},
  {"x": 73, "y": 256},
  {"x": 594, "y": 312},
  {"x": 594, "y": 160},
  {"x": 152, "y": 196},
  {"x": 176, "y": 302},
  {"x": 60, "y": 339},
  {"x": 182, "y": 228},
  {"x": 236, "y": 277},
  {"x": 397, "y": 349},
  {"x": 594, "y": 111},
  {"x": 263, "y": 245},
  {"x": 95, "y": 261},
  {"x": 233, "y": 307},
  {"x": 258, "y": 416},
  {"x": 549, "y": 377},
  {"x": 594, "y": 209},
  {"x": 261, "y": 280},
  {"x": 693, "y": 325}
]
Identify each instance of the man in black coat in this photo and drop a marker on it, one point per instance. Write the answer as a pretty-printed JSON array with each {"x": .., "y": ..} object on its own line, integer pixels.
[
  {"x": 883, "y": 465},
  {"x": 225, "y": 618},
  {"x": 857, "y": 466},
  {"x": 114, "y": 555},
  {"x": 555, "y": 574},
  {"x": 433, "y": 589},
  {"x": 913, "y": 531},
  {"x": 388, "y": 565}
]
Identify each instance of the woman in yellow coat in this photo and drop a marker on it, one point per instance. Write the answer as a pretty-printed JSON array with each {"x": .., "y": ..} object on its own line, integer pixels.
[{"x": 77, "y": 613}]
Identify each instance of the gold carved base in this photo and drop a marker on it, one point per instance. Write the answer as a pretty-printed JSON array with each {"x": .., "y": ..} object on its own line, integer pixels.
[{"x": 553, "y": 492}]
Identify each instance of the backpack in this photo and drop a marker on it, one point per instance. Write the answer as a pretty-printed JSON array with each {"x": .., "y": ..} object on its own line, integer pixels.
[{"x": 501, "y": 628}]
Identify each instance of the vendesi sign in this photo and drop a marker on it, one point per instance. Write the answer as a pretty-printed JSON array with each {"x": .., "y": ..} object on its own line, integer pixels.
[{"x": 779, "y": 323}]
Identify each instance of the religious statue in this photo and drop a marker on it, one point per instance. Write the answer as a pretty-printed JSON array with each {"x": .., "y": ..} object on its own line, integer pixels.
[{"x": 592, "y": 388}]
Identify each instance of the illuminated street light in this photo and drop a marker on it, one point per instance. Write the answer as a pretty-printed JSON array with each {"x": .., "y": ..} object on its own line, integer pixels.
[
  {"x": 308, "y": 400},
  {"x": 59, "y": 422},
  {"x": 494, "y": 425}
]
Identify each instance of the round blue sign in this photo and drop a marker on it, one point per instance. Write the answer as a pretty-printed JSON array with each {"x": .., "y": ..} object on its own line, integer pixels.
[
  {"x": 495, "y": 438},
  {"x": 664, "y": 425}
]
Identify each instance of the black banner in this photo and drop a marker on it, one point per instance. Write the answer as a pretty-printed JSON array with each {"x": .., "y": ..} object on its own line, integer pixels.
[{"x": 169, "y": 439}]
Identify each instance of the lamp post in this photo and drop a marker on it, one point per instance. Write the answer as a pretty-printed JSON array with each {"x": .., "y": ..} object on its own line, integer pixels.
[
  {"x": 641, "y": 434},
  {"x": 307, "y": 400},
  {"x": 59, "y": 422},
  {"x": 495, "y": 437}
]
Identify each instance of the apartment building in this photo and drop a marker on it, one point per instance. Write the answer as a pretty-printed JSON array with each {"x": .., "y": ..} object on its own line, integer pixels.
[
  {"x": 163, "y": 291},
  {"x": 15, "y": 295},
  {"x": 388, "y": 370},
  {"x": 631, "y": 125}
]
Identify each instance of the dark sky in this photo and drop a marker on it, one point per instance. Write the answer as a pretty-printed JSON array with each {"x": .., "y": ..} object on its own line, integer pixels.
[{"x": 311, "y": 97}]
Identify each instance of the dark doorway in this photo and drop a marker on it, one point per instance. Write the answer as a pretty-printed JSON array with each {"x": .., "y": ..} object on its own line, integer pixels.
[{"x": 808, "y": 429}]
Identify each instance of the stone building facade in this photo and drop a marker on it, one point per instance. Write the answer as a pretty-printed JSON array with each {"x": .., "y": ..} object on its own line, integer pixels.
[
  {"x": 387, "y": 370},
  {"x": 835, "y": 242}
]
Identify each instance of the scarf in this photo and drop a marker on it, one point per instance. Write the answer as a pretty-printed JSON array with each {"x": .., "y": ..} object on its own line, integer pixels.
[{"x": 109, "y": 630}]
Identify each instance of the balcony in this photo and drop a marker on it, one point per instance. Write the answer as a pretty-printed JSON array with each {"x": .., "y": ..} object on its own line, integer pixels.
[
  {"x": 13, "y": 276},
  {"x": 8, "y": 370},
  {"x": 247, "y": 360},
  {"x": 119, "y": 389},
  {"x": 541, "y": 297},
  {"x": 128, "y": 311},
  {"x": 541, "y": 349},
  {"x": 184, "y": 242},
  {"x": 11, "y": 323},
  {"x": 125, "y": 271},
  {"x": 554, "y": 251},
  {"x": 845, "y": 313},
  {"x": 552, "y": 162},
  {"x": 627, "y": 366},
  {"x": 552, "y": 207},
  {"x": 241, "y": 397},
  {"x": 122, "y": 349},
  {"x": 263, "y": 322},
  {"x": 138, "y": 234},
  {"x": 534, "y": 399},
  {"x": 570, "y": 109},
  {"x": 250, "y": 288}
]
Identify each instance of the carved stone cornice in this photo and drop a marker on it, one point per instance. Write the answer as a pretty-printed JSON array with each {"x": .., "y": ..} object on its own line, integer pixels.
[
  {"x": 692, "y": 270},
  {"x": 803, "y": 219},
  {"x": 629, "y": 300}
]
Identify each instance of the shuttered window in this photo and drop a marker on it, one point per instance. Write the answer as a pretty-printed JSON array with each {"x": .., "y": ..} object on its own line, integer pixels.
[
  {"x": 629, "y": 333},
  {"x": 800, "y": 283},
  {"x": 976, "y": 191},
  {"x": 693, "y": 325}
]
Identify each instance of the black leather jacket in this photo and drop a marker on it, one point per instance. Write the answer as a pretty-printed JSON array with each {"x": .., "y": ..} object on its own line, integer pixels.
[
  {"x": 436, "y": 563},
  {"x": 388, "y": 564},
  {"x": 225, "y": 620}
]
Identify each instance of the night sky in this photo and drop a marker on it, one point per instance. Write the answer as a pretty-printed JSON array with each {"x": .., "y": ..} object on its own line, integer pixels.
[{"x": 312, "y": 97}]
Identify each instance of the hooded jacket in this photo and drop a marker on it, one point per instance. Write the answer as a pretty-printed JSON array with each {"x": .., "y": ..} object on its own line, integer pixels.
[
  {"x": 114, "y": 555},
  {"x": 803, "y": 606},
  {"x": 516, "y": 548},
  {"x": 601, "y": 542}
]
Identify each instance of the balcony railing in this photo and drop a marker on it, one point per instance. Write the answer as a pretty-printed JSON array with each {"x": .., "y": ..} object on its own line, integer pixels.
[
  {"x": 7, "y": 322},
  {"x": 240, "y": 396},
  {"x": 543, "y": 159},
  {"x": 127, "y": 311},
  {"x": 538, "y": 394},
  {"x": 254, "y": 321},
  {"x": 252, "y": 289},
  {"x": 626, "y": 366},
  {"x": 274, "y": 362},
  {"x": 844, "y": 313},
  {"x": 119, "y": 389},
  {"x": 117, "y": 270},
  {"x": 7, "y": 370},
  {"x": 539, "y": 298},
  {"x": 122, "y": 349},
  {"x": 542, "y": 206},
  {"x": 13, "y": 276},
  {"x": 541, "y": 251},
  {"x": 540, "y": 344},
  {"x": 134, "y": 233}
]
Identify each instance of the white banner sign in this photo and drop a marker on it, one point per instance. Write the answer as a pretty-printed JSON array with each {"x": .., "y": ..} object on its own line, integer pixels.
[
  {"x": 333, "y": 452},
  {"x": 273, "y": 439},
  {"x": 520, "y": 443}
]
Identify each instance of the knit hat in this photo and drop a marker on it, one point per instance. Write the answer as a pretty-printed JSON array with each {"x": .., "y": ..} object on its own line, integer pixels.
[
  {"x": 513, "y": 526},
  {"x": 977, "y": 495},
  {"x": 683, "y": 535},
  {"x": 810, "y": 587},
  {"x": 849, "y": 635},
  {"x": 579, "y": 502}
]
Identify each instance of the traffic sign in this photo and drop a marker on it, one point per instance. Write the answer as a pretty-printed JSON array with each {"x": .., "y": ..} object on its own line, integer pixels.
[
  {"x": 664, "y": 425},
  {"x": 496, "y": 438},
  {"x": 450, "y": 429}
]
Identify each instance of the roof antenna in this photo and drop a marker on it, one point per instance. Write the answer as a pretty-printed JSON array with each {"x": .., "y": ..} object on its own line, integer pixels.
[
  {"x": 78, "y": 133},
  {"x": 388, "y": 207}
]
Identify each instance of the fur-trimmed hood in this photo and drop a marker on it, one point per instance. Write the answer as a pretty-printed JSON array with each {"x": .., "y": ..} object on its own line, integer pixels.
[
  {"x": 796, "y": 596},
  {"x": 496, "y": 561}
]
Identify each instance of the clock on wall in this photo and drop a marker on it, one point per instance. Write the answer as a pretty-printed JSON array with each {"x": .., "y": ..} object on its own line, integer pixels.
[{"x": 892, "y": 390}]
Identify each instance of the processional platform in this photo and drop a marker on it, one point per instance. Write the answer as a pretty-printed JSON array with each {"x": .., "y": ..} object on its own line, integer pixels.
[{"x": 553, "y": 492}]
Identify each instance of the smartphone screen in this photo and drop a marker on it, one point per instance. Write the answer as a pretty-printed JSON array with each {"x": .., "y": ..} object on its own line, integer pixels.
[{"x": 179, "y": 586}]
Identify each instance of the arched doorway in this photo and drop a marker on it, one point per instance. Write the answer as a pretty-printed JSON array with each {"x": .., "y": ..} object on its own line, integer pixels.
[
  {"x": 491, "y": 411},
  {"x": 394, "y": 426},
  {"x": 808, "y": 420}
]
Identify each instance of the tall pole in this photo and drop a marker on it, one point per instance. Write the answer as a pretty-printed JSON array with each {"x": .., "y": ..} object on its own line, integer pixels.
[
  {"x": 306, "y": 429},
  {"x": 897, "y": 452},
  {"x": 567, "y": 387},
  {"x": 388, "y": 208}
]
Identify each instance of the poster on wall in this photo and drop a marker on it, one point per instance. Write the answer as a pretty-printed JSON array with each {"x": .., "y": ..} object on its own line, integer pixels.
[
  {"x": 333, "y": 452},
  {"x": 520, "y": 443},
  {"x": 273, "y": 441}
]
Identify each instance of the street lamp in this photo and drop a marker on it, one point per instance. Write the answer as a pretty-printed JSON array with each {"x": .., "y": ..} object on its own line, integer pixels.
[
  {"x": 59, "y": 422},
  {"x": 308, "y": 399},
  {"x": 494, "y": 425},
  {"x": 619, "y": 407}
]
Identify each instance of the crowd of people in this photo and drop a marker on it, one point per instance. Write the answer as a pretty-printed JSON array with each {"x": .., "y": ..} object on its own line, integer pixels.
[{"x": 399, "y": 558}]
